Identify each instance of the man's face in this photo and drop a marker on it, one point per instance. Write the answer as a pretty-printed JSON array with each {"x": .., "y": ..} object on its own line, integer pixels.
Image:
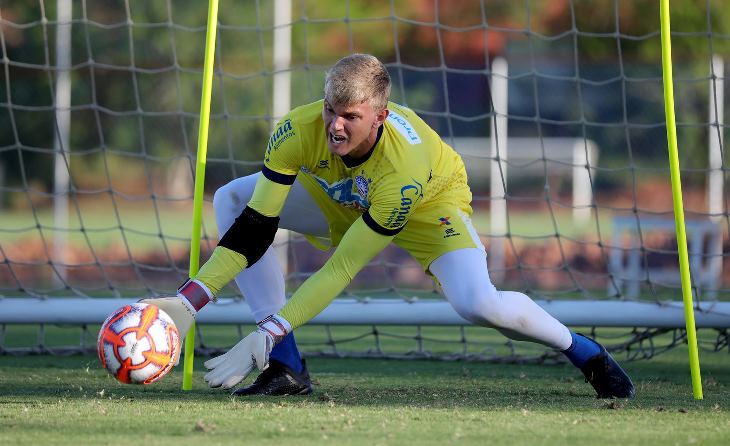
[{"x": 351, "y": 129}]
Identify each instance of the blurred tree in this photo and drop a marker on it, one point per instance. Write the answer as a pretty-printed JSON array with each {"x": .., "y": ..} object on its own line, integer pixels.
[{"x": 137, "y": 68}]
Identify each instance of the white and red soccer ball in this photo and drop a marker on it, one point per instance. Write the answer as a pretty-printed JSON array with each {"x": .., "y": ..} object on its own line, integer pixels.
[{"x": 138, "y": 344}]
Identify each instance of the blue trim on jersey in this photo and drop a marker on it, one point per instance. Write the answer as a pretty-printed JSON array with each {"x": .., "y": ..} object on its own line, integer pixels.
[
  {"x": 277, "y": 177},
  {"x": 351, "y": 162},
  {"x": 372, "y": 224}
]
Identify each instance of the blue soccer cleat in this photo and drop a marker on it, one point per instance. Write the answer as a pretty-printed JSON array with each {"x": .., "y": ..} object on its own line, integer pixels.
[{"x": 607, "y": 377}]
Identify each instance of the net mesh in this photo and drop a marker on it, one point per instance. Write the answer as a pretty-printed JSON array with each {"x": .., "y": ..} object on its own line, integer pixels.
[{"x": 99, "y": 107}]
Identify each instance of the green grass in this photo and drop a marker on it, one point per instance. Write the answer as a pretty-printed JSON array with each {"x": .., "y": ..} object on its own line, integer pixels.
[{"x": 71, "y": 400}]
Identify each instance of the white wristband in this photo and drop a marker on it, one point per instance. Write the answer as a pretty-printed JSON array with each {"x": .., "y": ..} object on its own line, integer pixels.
[
  {"x": 195, "y": 294},
  {"x": 276, "y": 326}
]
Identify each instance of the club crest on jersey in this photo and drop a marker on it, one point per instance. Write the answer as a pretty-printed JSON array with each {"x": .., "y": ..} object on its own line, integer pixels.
[{"x": 362, "y": 186}]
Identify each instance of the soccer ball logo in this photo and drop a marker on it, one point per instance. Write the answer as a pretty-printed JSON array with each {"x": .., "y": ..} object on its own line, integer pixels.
[{"x": 138, "y": 344}]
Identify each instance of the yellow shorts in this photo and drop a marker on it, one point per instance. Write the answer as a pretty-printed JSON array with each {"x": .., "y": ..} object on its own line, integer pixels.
[{"x": 442, "y": 225}]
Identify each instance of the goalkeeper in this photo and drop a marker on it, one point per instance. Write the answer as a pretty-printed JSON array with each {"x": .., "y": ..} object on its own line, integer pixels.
[{"x": 361, "y": 172}]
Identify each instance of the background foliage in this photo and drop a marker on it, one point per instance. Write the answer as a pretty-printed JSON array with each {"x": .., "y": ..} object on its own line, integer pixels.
[{"x": 136, "y": 75}]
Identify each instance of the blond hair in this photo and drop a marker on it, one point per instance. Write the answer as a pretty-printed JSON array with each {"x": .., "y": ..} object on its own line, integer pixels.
[{"x": 358, "y": 78}]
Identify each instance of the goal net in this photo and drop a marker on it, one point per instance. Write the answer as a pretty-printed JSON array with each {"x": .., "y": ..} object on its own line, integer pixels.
[{"x": 556, "y": 108}]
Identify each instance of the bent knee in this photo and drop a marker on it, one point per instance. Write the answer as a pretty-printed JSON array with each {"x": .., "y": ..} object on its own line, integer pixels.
[
  {"x": 230, "y": 200},
  {"x": 484, "y": 309}
]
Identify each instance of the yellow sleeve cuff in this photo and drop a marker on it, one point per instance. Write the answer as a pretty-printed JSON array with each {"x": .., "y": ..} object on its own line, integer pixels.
[{"x": 222, "y": 267}]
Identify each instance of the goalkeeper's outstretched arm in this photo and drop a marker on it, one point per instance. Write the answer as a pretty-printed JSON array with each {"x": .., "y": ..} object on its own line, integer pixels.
[
  {"x": 249, "y": 237},
  {"x": 359, "y": 245},
  {"x": 242, "y": 245}
]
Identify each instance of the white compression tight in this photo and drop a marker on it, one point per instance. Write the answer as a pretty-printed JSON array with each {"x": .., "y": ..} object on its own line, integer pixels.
[
  {"x": 464, "y": 279},
  {"x": 463, "y": 273},
  {"x": 262, "y": 283}
]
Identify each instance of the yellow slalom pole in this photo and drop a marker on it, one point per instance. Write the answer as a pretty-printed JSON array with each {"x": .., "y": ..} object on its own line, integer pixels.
[
  {"x": 200, "y": 177},
  {"x": 689, "y": 317}
]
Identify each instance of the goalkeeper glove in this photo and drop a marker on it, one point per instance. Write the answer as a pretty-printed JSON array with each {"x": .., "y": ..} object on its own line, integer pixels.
[
  {"x": 184, "y": 306},
  {"x": 252, "y": 351}
]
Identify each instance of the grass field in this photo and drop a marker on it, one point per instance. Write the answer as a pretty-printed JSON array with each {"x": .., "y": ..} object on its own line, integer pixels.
[{"x": 71, "y": 400}]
